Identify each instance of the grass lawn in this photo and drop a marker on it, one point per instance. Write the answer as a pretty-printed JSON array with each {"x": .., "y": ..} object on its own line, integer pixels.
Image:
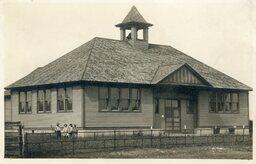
[{"x": 202, "y": 152}]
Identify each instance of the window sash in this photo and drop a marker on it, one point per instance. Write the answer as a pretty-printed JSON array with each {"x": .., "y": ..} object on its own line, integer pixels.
[
  {"x": 224, "y": 102},
  {"x": 65, "y": 99},
  {"x": 119, "y": 99}
]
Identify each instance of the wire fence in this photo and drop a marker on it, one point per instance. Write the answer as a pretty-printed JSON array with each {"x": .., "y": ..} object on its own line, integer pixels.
[{"x": 48, "y": 144}]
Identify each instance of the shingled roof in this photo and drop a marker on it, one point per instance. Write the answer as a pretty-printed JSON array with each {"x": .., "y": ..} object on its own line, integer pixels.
[
  {"x": 134, "y": 17},
  {"x": 108, "y": 60}
]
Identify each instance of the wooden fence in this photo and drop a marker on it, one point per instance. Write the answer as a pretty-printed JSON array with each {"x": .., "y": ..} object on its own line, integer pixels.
[
  {"x": 13, "y": 139},
  {"x": 47, "y": 144}
]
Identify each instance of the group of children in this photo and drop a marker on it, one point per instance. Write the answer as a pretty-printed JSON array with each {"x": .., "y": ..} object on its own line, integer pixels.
[{"x": 68, "y": 131}]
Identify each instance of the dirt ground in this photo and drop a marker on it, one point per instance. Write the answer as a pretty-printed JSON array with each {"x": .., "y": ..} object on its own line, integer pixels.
[{"x": 205, "y": 152}]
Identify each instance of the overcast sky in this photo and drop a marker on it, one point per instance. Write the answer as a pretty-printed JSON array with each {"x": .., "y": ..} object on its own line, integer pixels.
[{"x": 218, "y": 33}]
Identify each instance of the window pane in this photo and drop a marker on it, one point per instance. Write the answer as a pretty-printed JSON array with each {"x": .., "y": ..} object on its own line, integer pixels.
[
  {"x": 22, "y": 107},
  {"x": 29, "y": 96},
  {"x": 234, "y": 97},
  {"x": 40, "y": 106},
  {"x": 61, "y": 93},
  {"x": 114, "y": 93},
  {"x": 134, "y": 104},
  {"x": 175, "y": 103},
  {"x": 125, "y": 93},
  {"x": 134, "y": 94},
  {"x": 113, "y": 104},
  {"x": 227, "y": 97},
  {"x": 29, "y": 108},
  {"x": 220, "y": 106},
  {"x": 60, "y": 105},
  {"x": 103, "y": 104},
  {"x": 40, "y": 95},
  {"x": 212, "y": 97},
  {"x": 68, "y": 104},
  {"x": 124, "y": 104},
  {"x": 103, "y": 91},
  {"x": 168, "y": 103},
  {"x": 157, "y": 106},
  {"x": 235, "y": 107},
  {"x": 212, "y": 106},
  {"x": 48, "y": 95},
  {"x": 47, "y": 106},
  {"x": 22, "y": 97},
  {"x": 227, "y": 107},
  {"x": 69, "y": 94}
]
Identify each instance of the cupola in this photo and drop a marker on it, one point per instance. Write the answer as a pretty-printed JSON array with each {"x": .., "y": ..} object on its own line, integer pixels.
[{"x": 134, "y": 22}]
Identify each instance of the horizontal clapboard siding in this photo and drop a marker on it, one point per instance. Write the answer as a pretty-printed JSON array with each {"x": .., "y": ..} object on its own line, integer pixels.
[
  {"x": 94, "y": 118},
  {"x": 214, "y": 119},
  {"x": 49, "y": 119}
]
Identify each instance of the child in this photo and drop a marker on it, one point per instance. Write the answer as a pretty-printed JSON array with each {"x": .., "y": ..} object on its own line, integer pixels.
[
  {"x": 65, "y": 130},
  {"x": 58, "y": 131},
  {"x": 70, "y": 131},
  {"x": 75, "y": 131}
]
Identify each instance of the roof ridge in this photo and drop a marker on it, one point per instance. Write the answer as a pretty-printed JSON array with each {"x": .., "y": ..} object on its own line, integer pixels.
[{"x": 89, "y": 56}]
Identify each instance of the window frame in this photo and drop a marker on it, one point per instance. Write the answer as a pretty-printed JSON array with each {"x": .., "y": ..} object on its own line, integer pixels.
[
  {"x": 26, "y": 102},
  {"x": 44, "y": 101},
  {"x": 119, "y": 100},
  {"x": 64, "y": 100},
  {"x": 221, "y": 101}
]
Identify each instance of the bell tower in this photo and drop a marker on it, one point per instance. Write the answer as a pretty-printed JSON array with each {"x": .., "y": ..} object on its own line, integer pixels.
[{"x": 134, "y": 22}]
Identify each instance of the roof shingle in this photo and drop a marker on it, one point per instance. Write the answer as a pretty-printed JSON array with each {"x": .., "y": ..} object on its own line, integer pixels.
[{"x": 108, "y": 60}]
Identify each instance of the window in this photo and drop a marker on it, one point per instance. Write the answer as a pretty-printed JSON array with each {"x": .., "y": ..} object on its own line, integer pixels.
[
  {"x": 119, "y": 99},
  {"x": 135, "y": 99},
  {"x": 114, "y": 98},
  {"x": 221, "y": 102},
  {"x": 22, "y": 103},
  {"x": 124, "y": 99},
  {"x": 44, "y": 101},
  {"x": 68, "y": 99},
  {"x": 40, "y": 101},
  {"x": 103, "y": 99},
  {"x": 212, "y": 97},
  {"x": 64, "y": 99},
  {"x": 157, "y": 106},
  {"x": 48, "y": 100},
  {"x": 25, "y": 102},
  {"x": 29, "y": 102}
]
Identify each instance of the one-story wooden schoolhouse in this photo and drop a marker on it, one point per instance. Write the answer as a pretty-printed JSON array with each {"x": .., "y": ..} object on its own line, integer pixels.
[{"x": 129, "y": 83}]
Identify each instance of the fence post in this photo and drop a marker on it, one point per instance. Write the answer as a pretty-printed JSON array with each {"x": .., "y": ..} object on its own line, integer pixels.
[
  {"x": 73, "y": 145},
  {"x": 26, "y": 145},
  {"x": 185, "y": 136},
  {"x": 20, "y": 139},
  {"x": 114, "y": 139},
  {"x": 243, "y": 133},
  {"x": 151, "y": 133}
]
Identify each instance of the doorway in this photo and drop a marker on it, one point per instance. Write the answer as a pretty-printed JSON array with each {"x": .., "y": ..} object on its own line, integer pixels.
[{"x": 172, "y": 115}]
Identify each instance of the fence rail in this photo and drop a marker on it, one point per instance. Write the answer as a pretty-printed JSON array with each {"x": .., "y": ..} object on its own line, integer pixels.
[{"x": 45, "y": 144}]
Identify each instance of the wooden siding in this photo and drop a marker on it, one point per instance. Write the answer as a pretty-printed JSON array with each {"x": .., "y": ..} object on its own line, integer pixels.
[
  {"x": 184, "y": 76},
  {"x": 49, "y": 119},
  {"x": 213, "y": 119},
  {"x": 94, "y": 118},
  {"x": 7, "y": 109}
]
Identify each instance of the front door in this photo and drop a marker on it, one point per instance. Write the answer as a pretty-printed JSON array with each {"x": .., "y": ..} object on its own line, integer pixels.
[{"x": 172, "y": 114}]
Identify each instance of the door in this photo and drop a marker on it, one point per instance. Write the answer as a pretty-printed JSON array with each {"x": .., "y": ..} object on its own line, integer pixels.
[{"x": 172, "y": 115}]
